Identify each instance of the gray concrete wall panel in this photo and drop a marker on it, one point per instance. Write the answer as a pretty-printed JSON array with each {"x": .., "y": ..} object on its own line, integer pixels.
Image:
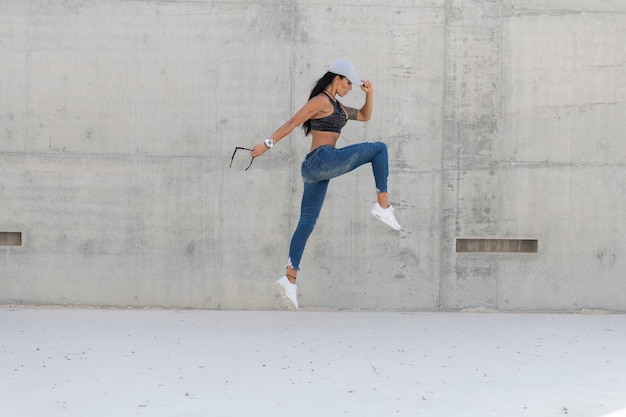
[{"x": 504, "y": 120}]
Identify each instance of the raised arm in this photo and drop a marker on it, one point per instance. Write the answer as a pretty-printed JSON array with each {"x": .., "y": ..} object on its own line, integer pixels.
[{"x": 364, "y": 113}]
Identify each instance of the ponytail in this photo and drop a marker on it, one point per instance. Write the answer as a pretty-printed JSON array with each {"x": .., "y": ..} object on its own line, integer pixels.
[{"x": 319, "y": 87}]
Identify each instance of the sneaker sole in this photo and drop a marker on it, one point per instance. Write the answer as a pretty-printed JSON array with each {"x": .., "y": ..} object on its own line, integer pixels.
[{"x": 286, "y": 300}]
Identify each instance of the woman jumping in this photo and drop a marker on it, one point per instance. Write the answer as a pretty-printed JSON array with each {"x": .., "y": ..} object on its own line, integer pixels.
[{"x": 323, "y": 117}]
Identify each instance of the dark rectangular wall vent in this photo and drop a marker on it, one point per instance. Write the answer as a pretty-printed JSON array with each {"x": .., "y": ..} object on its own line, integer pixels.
[
  {"x": 497, "y": 246},
  {"x": 10, "y": 238}
]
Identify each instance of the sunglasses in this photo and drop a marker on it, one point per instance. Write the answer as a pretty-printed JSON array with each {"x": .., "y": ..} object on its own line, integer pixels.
[{"x": 233, "y": 157}]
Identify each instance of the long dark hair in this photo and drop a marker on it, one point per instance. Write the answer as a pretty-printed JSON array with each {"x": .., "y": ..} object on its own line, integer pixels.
[{"x": 319, "y": 87}]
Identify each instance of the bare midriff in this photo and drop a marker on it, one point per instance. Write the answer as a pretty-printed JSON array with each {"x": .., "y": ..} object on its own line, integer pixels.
[{"x": 320, "y": 138}]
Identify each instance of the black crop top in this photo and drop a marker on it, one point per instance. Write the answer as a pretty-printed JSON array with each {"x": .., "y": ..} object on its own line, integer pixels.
[{"x": 333, "y": 122}]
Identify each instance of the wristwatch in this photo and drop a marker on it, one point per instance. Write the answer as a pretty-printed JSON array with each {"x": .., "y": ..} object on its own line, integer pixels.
[{"x": 269, "y": 142}]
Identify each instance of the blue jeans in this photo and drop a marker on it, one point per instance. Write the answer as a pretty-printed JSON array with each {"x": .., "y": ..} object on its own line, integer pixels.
[{"x": 318, "y": 168}]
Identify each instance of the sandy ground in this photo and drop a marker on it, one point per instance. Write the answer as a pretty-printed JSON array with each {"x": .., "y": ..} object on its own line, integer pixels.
[{"x": 72, "y": 362}]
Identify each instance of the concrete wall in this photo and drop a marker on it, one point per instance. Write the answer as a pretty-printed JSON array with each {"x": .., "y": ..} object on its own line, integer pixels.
[{"x": 504, "y": 119}]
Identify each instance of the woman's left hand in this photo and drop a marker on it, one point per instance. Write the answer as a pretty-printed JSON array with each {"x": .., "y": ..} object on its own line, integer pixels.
[
  {"x": 258, "y": 150},
  {"x": 367, "y": 86}
]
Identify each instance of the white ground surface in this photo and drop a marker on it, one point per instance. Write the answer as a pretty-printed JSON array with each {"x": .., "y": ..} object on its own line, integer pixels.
[{"x": 58, "y": 362}]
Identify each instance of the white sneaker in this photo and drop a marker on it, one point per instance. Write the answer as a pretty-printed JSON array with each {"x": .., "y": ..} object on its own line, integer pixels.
[
  {"x": 386, "y": 216},
  {"x": 288, "y": 292}
]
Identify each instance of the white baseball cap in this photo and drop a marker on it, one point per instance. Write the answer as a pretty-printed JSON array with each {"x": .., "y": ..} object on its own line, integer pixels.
[{"x": 345, "y": 68}]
